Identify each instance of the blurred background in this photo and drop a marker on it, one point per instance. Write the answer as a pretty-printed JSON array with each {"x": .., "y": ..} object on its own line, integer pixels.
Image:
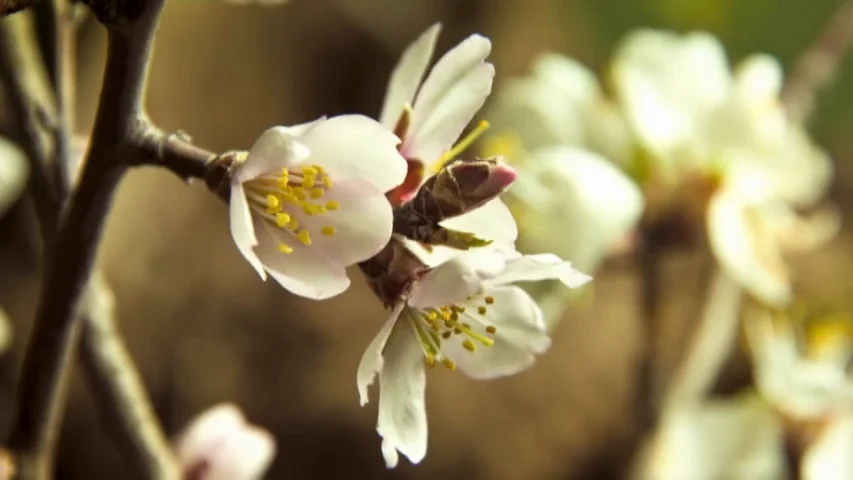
[{"x": 204, "y": 329}]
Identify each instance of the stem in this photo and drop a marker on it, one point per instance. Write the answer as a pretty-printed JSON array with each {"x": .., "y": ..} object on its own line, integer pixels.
[
  {"x": 65, "y": 51},
  {"x": 649, "y": 259},
  {"x": 119, "y": 390},
  {"x": 47, "y": 359},
  {"x": 818, "y": 65}
]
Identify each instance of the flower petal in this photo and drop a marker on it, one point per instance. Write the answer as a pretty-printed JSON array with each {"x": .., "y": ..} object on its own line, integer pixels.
[
  {"x": 276, "y": 148},
  {"x": 306, "y": 271},
  {"x": 402, "y": 412},
  {"x": 520, "y": 335},
  {"x": 362, "y": 223},
  {"x": 542, "y": 266},
  {"x": 447, "y": 283},
  {"x": 245, "y": 456},
  {"x": 372, "y": 361},
  {"x": 747, "y": 250},
  {"x": 350, "y": 146},
  {"x": 454, "y": 91},
  {"x": 220, "y": 421},
  {"x": 492, "y": 221},
  {"x": 243, "y": 229},
  {"x": 829, "y": 456},
  {"x": 407, "y": 76}
]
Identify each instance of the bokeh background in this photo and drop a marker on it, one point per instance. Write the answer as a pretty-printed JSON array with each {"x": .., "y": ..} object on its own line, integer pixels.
[{"x": 204, "y": 329}]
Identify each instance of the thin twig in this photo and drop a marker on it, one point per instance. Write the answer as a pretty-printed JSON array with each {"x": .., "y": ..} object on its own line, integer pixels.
[
  {"x": 818, "y": 64},
  {"x": 65, "y": 51},
  {"x": 117, "y": 127},
  {"x": 119, "y": 389}
]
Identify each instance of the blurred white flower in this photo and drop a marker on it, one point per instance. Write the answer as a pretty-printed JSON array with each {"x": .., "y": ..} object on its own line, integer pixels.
[
  {"x": 430, "y": 115},
  {"x": 14, "y": 172},
  {"x": 465, "y": 314},
  {"x": 829, "y": 456},
  {"x": 735, "y": 439},
  {"x": 696, "y": 117},
  {"x": 220, "y": 444},
  {"x": 306, "y": 203},
  {"x": 803, "y": 386}
]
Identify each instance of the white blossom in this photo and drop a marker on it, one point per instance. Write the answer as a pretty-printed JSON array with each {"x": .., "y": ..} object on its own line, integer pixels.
[{"x": 310, "y": 200}]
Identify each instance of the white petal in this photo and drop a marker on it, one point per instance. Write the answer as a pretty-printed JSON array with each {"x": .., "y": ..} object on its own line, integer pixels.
[
  {"x": 350, "y": 146},
  {"x": 362, "y": 222},
  {"x": 307, "y": 271},
  {"x": 402, "y": 412},
  {"x": 206, "y": 430},
  {"x": 454, "y": 91},
  {"x": 492, "y": 221},
  {"x": 759, "y": 78},
  {"x": 829, "y": 456},
  {"x": 245, "y": 456},
  {"x": 275, "y": 149},
  {"x": 407, "y": 76},
  {"x": 520, "y": 335},
  {"x": 242, "y": 228},
  {"x": 575, "y": 203},
  {"x": 372, "y": 360},
  {"x": 747, "y": 250},
  {"x": 447, "y": 283},
  {"x": 14, "y": 171},
  {"x": 541, "y": 267}
]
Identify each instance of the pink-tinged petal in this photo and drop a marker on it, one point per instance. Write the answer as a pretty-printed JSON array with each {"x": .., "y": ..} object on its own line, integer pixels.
[
  {"x": 434, "y": 131},
  {"x": 402, "y": 420},
  {"x": 448, "y": 283},
  {"x": 407, "y": 76},
  {"x": 306, "y": 271},
  {"x": 747, "y": 250},
  {"x": 243, "y": 229},
  {"x": 247, "y": 457},
  {"x": 493, "y": 221},
  {"x": 208, "y": 428},
  {"x": 355, "y": 146},
  {"x": 372, "y": 361},
  {"x": 362, "y": 223},
  {"x": 275, "y": 149},
  {"x": 520, "y": 335},
  {"x": 543, "y": 266}
]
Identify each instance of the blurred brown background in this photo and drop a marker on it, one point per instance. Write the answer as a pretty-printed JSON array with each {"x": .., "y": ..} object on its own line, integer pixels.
[{"x": 204, "y": 329}]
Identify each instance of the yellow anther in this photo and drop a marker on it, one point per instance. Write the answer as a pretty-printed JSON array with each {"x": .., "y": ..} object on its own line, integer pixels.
[
  {"x": 490, "y": 300},
  {"x": 285, "y": 248},
  {"x": 482, "y": 310},
  {"x": 446, "y": 334},
  {"x": 304, "y": 236},
  {"x": 294, "y": 224},
  {"x": 491, "y": 329},
  {"x": 332, "y": 205},
  {"x": 299, "y": 193},
  {"x": 328, "y": 231},
  {"x": 285, "y": 172},
  {"x": 282, "y": 219},
  {"x": 316, "y": 193},
  {"x": 457, "y": 331},
  {"x": 463, "y": 144},
  {"x": 430, "y": 361},
  {"x": 320, "y": 170},
  {"x": 469, "y": 345},
  {"x": 309, "y": 171},
  {"x": 327, "y": 181},
  {"x": 448, "y": 363},
  {"x": 433, "y": 316},
  {"x": 273, "y": 202},
  {"x": 282, "y": 183},
  {"x": 308, "y": 181}
]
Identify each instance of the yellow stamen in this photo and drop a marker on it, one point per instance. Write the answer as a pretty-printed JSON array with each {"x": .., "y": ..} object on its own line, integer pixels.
[
  {"x": 328, "y": 231},
  {"x": 299, "y": 193},
  {"x": 332, "y": 205},
  {"x": 316, "y": 193},
  {"x": 491, "y": 329},
  {"x": 285, "y": 248},
  {"x": 430, "y": 360},
  {"x": 482, "y": 310},
  {"x": 469, "y": 345},
  {"x": 309, "y": 171},
  {"x": 304, "y": 236},
  {"x": 294, "y": 224},
  {"x": 490, "y": 300},
  {"x": 327, "y": 181},
  {"x": 448, "y": 363},
  {"x": 308, "y": 181},
  {"x": 282, "y": 219},
  {"x": 273, "y": 202},
  {"x": 319, "y": 169},
  {"x": 463, "y": 144}
]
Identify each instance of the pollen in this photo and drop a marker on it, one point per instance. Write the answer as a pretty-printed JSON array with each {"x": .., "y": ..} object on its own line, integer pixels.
[
  {"x": 299, "y": 193},
  {"x": 293, "y": 225},
  {"x": 430, "y": 361},
  {"x": 304, "y": 236},
  {"x": 328, "y": 231},
  {"x": 273, "y": 202},
  {"x": 308, "y": 181},
  {"x": 489, "y": 300},
  {"x": 316, "y": 193},
  {"x": 309, "y": 171},
  {"x": 448, "y": 363},
  {"x": 332, "y": 205},
  {"x": 482, "y": 310},
  {"x": 285, "y": 248},
  {"x": 282, "y": 219},
  {"x": 469, "y": 345},
  {"x": 491, "y": 329}
]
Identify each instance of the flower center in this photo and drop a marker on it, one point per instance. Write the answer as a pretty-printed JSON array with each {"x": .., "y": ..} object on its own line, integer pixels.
[
  {"x": 451, "y": 322},
  {"x": 284, "y": 197}
]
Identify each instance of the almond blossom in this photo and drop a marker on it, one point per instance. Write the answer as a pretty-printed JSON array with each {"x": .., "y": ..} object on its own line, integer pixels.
[
  {"x": 309, "y": 200},
  {"x": 430, "y": 115},
  {"x": 220, "y": 445},
  {"x": 466, "y": 314}
]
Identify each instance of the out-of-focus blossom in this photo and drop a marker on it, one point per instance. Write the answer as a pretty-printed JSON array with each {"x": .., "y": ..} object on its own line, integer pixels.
[
  {"x": 695, "y": 118},
  {"x": 737, "y": 439},
  {"x": 220, "y": 444},
  {"x": 14, "y": 172},
  {"x": 309, "y": 200},
  {"x": 467, "y": 314},
  {"x": 429, "y": 115},
  {"x": 829, "y": 456},
  {"x": 262, "y": 3}
]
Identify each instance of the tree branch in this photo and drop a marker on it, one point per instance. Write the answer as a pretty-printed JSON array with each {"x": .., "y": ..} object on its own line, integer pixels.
[{"x": 8, "y": 7}]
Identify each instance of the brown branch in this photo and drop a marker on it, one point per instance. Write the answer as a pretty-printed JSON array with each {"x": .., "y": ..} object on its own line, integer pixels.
[
  {"x": 8, "y": 7},
  {"x": 818, "y": 64},
  {"x": 118, "y": 127},
  {"x": 119, "y": 390}
]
